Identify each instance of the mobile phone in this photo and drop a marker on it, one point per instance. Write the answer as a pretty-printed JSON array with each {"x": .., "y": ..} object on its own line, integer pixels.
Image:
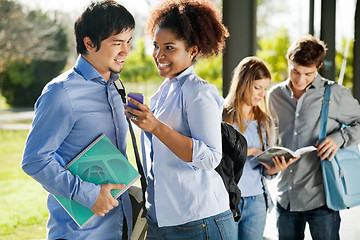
[{"x": 138, "y": 97}]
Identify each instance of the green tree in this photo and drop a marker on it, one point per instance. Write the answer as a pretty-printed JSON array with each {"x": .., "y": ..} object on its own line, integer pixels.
[
  {"x": 26, "y": 35},
  {"x": 273, "y": 51},
  {"x": 27, "y": 68}
]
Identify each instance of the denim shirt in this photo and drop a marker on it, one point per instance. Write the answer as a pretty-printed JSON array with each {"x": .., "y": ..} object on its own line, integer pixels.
[
  {"x": 301, "y": 184},
  {"x": 182, "y": 192},
  {"x": 72, "y": 111}
]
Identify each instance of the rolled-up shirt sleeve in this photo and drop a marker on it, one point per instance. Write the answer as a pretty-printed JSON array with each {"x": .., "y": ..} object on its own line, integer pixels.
[
  {"x": 204, "y": 107},
  {"x": 53, "y": 120}
]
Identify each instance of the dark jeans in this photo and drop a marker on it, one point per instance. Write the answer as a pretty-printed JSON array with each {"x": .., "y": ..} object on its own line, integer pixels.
[
  {"x": 324, "y": 223},
  {"x": 221, "y": 226}
]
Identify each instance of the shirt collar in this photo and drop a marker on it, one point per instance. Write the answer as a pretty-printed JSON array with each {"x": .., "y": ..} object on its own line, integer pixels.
[
  {"x": 85, "y": 69},
  {"x": 181, "y": 78},
  {"x": 315, "y": 84}
]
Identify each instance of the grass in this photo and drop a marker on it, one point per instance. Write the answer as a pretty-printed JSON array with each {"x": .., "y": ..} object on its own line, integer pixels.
[
  {"x": 23, "y": 208},
  {"x": 23, "y": 201}
]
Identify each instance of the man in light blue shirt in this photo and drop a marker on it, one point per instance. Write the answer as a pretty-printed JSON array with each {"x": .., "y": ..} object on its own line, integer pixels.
[{"x": 72, "y": 111}]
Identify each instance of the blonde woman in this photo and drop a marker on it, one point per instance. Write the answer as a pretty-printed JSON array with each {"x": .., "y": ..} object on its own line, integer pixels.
[{"x": 245, "y": 109}]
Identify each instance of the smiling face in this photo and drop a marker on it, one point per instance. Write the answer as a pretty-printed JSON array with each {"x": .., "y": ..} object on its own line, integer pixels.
[
  {"x": 301, "y": 77},
  {"x": 257, "y": 93},
  {"x": 171, "y": 55},
  {"x": 111, "y": 55}
]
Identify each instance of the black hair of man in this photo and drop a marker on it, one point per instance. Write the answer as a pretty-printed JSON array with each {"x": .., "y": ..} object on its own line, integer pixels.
[{"x": 99, "y": 21}]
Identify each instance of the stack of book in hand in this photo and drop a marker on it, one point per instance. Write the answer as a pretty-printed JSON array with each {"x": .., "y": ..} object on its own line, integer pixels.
[
  {"x": 267, "y": 155},
  {"x": 100, "y": 163}
]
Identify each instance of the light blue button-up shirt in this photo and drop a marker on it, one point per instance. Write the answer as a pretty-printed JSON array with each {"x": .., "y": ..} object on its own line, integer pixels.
[
  {"x": 181, "y": 192},
  {"x": 72, "y": 111},
  {"x": 250, "y": 182}
]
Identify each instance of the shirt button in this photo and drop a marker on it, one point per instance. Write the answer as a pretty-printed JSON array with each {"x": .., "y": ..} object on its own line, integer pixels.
[
  {"x": 295, "y": 133},
  {"x": 117, "y": 129},
  {"x": 290, "y": 188},
  {"x": 291, "y": 170},
  {"x": 297, "y": 114}
]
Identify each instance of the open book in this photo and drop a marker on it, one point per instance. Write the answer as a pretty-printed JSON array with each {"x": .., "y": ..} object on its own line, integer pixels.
[
  {"x": 101, "y": 162},
  {"x": 266, "y": 156}
]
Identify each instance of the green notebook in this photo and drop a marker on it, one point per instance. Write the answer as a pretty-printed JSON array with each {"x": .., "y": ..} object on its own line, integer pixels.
[{"x": 101, "y": 162}]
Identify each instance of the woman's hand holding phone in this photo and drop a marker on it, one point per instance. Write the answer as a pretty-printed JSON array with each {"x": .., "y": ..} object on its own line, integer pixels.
[
  {"x": 139, "y": 113},
  {"x": 136, "y": 96}
]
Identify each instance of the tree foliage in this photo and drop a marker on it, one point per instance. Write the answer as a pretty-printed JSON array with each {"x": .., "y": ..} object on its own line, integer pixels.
[
  {"x": 273, "y": 51},
  {"x": 33, "y": 50},
  {"x": 210, "y": 70},
  {"x": 26, "y": 35}
]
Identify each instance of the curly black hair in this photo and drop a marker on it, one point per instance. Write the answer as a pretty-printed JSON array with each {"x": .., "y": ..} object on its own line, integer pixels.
[{"x": 197, "y": 22}]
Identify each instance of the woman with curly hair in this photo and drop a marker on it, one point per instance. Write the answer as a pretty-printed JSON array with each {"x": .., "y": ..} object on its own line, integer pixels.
[{"x": 181, "y": 137}]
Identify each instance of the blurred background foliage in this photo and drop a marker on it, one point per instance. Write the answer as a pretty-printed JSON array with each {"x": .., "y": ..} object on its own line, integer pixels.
[
  {"x": 139, "y": 66},
  {"x": 273, "y": 51},
  {"x": 36, "y": 47},
  {"x": 33, "y": 49}
]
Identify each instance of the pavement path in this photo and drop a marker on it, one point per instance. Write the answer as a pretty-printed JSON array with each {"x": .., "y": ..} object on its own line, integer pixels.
[{"x": 9, "y": 118}]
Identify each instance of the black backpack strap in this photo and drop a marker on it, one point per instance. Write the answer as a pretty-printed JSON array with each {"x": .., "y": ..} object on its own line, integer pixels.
[{"x": 121, "y": 90}]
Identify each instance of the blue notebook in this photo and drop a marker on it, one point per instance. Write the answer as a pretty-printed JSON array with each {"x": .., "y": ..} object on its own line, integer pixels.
[{"x": 101, "y": 162}]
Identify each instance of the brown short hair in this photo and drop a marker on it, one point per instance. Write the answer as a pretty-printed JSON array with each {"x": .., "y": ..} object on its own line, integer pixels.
[
  {"x": 197, "y": 22},
  {"x": 307, "y": 51}
]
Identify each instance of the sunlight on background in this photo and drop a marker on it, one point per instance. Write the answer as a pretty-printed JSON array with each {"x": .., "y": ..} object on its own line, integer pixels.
[
  {"x": 295, "y": 18},
  {"x": 77, "y": 6},
  {"x": 293, "y": 15}
]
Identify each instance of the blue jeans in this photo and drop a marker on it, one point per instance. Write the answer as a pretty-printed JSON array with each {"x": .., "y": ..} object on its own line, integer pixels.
[
  {"x": 324, "y": 223},
  {"x": 253, "y": 218},
  {"x": 221, "y": 226}
]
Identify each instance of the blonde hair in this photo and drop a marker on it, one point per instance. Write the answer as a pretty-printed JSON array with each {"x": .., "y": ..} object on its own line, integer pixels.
[{"x": 244, "y": 75}]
